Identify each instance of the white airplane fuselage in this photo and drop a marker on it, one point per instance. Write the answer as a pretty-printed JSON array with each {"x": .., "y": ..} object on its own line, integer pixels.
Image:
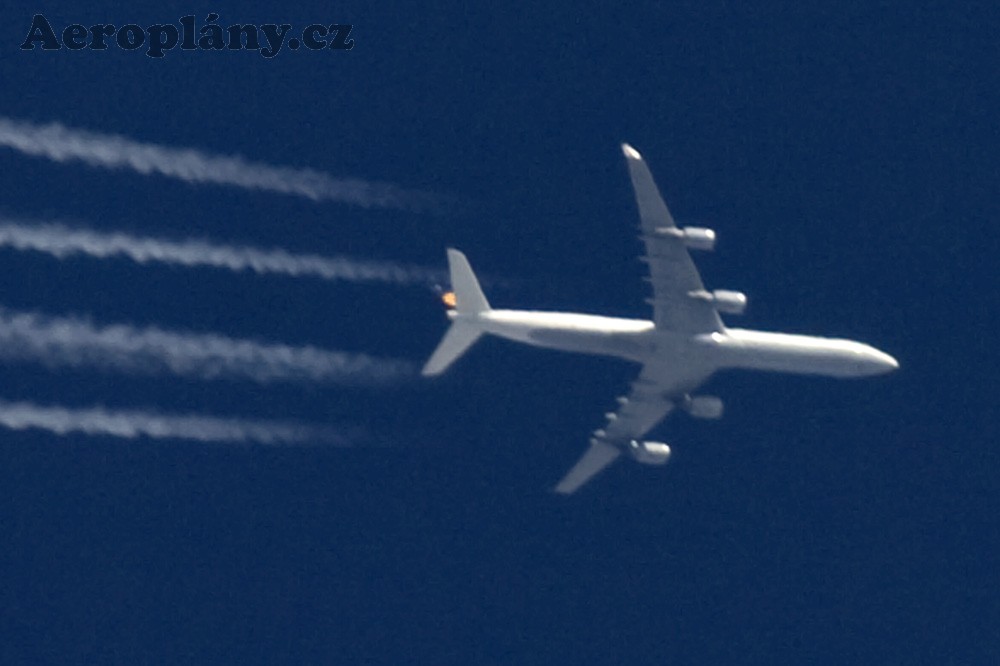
[{"x": 696, "y": 356}]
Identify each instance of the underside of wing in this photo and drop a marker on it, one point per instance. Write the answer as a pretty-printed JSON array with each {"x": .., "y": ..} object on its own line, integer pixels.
[
  {"x": 652, "y": 397},
  {"x": 679, "y": 297}
]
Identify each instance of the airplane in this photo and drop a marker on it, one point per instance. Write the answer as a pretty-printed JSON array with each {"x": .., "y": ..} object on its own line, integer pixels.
[{"x": 684, "y": 344}]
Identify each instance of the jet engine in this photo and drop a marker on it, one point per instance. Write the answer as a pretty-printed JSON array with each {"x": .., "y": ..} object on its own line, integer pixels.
[
  {"x": 649, "y": 453},
  {"x": 702, "y": 406},
  {"x": 729, "y": 302},
  {"x": 696, "y": 238}
]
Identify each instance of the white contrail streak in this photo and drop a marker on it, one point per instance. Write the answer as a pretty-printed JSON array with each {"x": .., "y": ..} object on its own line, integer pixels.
[
  {"x": 133, "y": 424},
  {"x": 75, "y": 342},
  {"x": 62, "y": 144},
  {"x": 61, "y": 241}
]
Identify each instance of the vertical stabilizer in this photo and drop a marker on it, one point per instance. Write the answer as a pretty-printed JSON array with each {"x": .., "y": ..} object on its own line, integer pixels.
[
  {"x": 469, "y": 298},
  {"x": 469, "y": 302}
]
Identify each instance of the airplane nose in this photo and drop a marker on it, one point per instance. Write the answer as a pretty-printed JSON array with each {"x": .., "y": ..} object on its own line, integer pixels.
[{"x": 885, "y": 363}]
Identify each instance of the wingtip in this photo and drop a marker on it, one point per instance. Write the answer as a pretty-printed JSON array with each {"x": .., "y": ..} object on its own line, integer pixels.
[{"x": 630, "y": 152}]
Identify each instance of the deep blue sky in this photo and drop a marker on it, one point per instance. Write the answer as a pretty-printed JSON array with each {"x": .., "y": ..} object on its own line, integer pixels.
[{"x": 847, "y": 159}]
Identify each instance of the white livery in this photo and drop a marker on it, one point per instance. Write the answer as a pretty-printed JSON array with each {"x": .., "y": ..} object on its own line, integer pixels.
[{"x": 684, "y": 344}]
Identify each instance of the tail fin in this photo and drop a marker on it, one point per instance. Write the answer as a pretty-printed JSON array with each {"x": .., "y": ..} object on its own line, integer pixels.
[
  {"x": 469, "y": 298},
  {"x": 469, "y": 302}
]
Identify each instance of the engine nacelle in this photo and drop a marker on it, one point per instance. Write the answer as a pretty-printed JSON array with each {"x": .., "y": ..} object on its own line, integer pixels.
[
  {"x": 702, "y": 406},
  {"x": 649, "y": 453},
  {"x": 699, "y": 238},
  {"x": 728, "y": 302},
  {"x": 696, "y": 238}
]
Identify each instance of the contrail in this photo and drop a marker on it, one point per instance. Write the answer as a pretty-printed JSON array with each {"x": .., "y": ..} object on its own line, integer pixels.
[
  {"x": 75, "y": 342},
  {"x": 133, "y": 424},
  {"x": 61, "y": 241},
  {"x": 62, "y": 144}
]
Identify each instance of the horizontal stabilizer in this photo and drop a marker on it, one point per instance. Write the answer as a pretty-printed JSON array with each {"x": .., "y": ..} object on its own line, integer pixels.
[{"x": 459, "y": 338}]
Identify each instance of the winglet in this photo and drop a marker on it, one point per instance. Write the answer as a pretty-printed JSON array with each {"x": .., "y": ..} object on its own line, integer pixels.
[{"x": 630, "y": 152}]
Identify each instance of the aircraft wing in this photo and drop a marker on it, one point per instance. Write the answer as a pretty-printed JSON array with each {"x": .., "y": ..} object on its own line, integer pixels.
[
  {"x": 646, "y": 405},
  {"x": 678, "y": 306},
  {"x": 671, "y": 271},
  {"x": 598, "y": 456}
]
